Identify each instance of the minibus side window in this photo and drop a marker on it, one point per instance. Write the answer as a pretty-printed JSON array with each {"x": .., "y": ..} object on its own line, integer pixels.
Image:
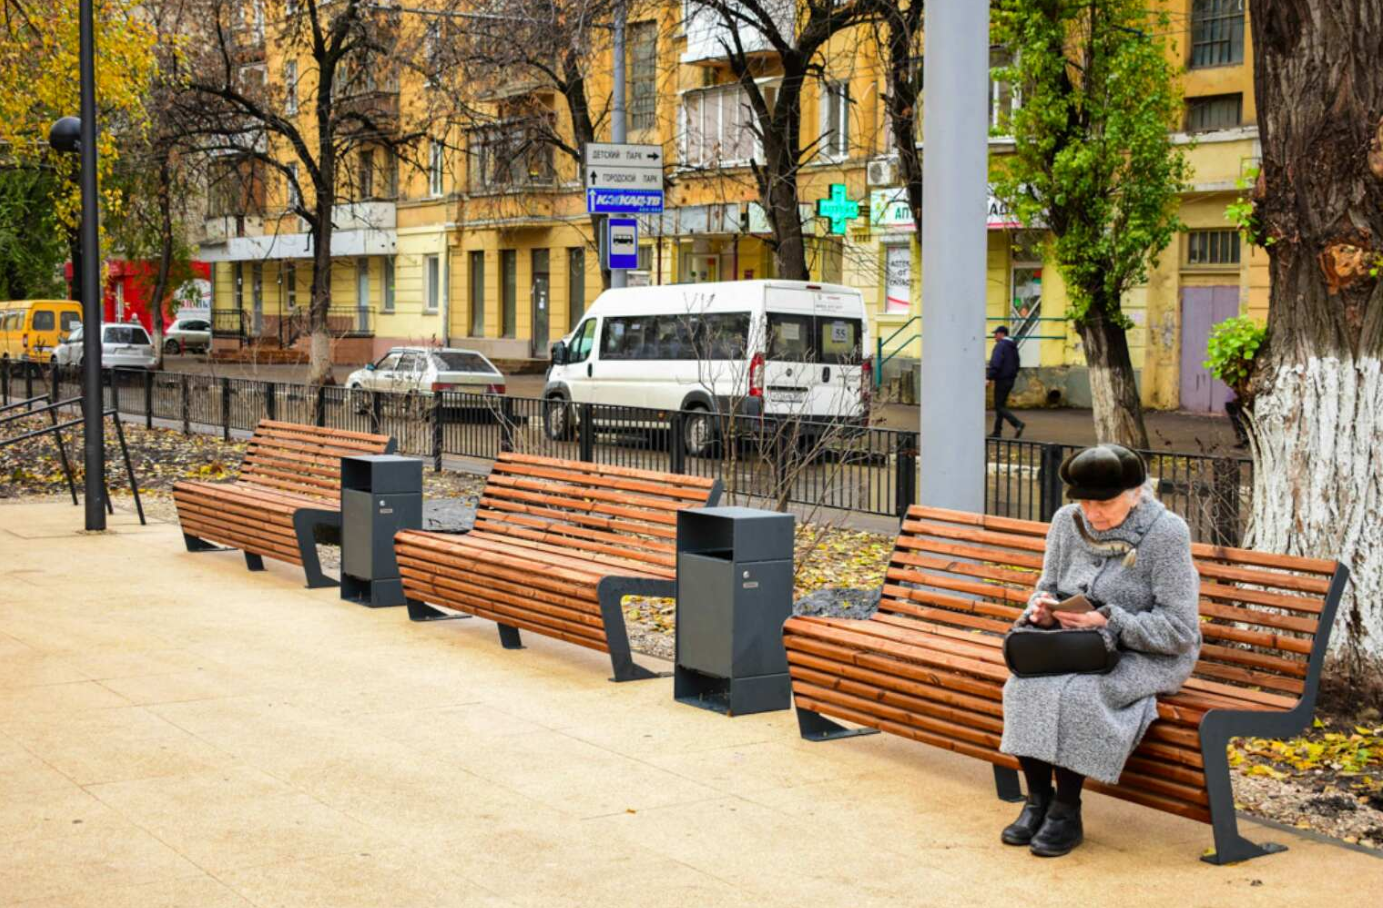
[
  {"x": 43, "y": 320},
  {"x": 582, "y": 342}
]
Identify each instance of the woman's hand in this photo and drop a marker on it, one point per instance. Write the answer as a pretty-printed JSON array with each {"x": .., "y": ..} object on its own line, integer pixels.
[
  {"x": 1080, "y": 620},
  {"x": 1041, "y": 613}
]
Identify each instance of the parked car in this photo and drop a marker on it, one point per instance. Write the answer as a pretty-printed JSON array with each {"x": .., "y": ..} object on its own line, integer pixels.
[
  {"x": 122, "y": 347},
  {"x": 423, "y": 371},
  {"x": 780, "y": 349},
  {"x": 31, "y": 330},
  {"x": 186, "y": 335}
]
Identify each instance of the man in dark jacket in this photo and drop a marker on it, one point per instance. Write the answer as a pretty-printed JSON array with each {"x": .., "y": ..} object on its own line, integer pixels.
[{"x": 1002, "y": 371}]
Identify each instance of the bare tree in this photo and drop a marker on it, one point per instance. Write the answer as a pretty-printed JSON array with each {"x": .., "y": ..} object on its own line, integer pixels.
[
  {"x": 341, "y": 98},
  {"x": 797, "y": 33},
  {"x": 899, "y": 32}
]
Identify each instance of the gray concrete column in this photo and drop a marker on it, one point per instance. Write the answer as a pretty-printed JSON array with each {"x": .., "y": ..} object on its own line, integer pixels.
[{"x": 954, "y": 241}]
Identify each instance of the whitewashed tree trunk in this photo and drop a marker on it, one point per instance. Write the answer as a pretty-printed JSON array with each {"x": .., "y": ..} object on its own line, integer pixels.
[{"x": 1318, "y": 483}]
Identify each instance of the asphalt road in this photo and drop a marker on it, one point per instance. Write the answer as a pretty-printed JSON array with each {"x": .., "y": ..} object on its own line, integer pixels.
[{"x": 1168, "y": 431}]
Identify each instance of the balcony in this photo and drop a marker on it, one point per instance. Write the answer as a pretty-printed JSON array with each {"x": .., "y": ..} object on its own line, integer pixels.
[
  {"x": 365, "y": 216},
  {"x": 377, "y": 107},
  {"x": 708, "y": 35},
  {"x": 247, "y": 44},
  {"x": 220, "y": 228}
]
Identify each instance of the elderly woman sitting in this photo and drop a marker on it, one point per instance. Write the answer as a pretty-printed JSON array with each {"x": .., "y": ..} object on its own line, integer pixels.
[{"x": 1131, "y": 558}]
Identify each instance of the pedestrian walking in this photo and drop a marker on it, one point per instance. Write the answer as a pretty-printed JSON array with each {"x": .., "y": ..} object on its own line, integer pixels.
[{"x": 1003, "y": 372}]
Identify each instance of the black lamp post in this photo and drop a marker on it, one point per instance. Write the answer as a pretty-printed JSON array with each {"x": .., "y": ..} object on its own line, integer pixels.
[{"x": 72, "y": 135}]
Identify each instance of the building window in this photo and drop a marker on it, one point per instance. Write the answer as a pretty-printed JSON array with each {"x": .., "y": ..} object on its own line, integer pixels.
[
  {"x": 718, "y": 127},
  {"x": 290, "y": 87},
  {"x": 365, "y": 173},
  {"x": 509, "y": 276},
  {"x": 290, "y": 285},
  {"x": 643, "y": 75},
  {"x": 389, "y": 283},
  {"x": 835, "y": 120},
  {"x": 510, "y": 155},
  {"x": 391, "y": 174},
  {"x": 477, "y": 270},
  {"x": 1212, "y": 247},
  {"x": 1003, "y": 100},
  {"x": 576, "y": 285},
  {"x": 1217, "y": 32},
  {"x": 1214, "y": 112},
  {"x": 432, "y": 266},
  {"x": 435, "y": 169},
  {"x": 362, "y": 283},
  {"x": 238, "y": 283}
]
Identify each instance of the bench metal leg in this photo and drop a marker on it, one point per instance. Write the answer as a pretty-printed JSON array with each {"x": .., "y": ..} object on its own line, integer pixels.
[
  {"x": 305, "y": 524},
  {"x": 611, "y": 592},
  {"x": 509, "y": 637},
  {"x": 197, "y": 544},
  {"x": 254, "y": 562},
  {"x": 421, "y": 611},
  {"x": 816, "y": 727},
  {"x": 1230, "y": 846},
  {"x": 1007, "y": 785}
]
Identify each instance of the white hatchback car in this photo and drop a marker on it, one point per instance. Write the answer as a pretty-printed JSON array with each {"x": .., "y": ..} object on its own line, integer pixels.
[
  {"x": 122, "y": 347},
  {"x": 186, "y": 334},
  {"x": 421, "y": 370}
]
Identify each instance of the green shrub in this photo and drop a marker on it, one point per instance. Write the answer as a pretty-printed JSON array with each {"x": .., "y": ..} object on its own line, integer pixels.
[{"x": 1231, "y": 349}]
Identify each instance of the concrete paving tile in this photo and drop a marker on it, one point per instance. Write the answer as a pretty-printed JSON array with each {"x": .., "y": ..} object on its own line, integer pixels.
[
  {"x": 195, "y": 684},
  {"x": 193, "y": 892},
  {"x": 51, "y": 813},
  {"x": 109, "y": 745},
  {"x": 575, "y": 777},
  {"x": 91, "y": 860},
  {"x": 101, "y": 666},
  {"x": 387, "y": 878},
  {"x": 56, "y": 699},
  {"x": 758, "y": 766},
  {"x": 665, "y": 729},
  {"x": 30, "y": 668},
  {"x": 442, "y": 730},
  {"x": 21, "y": 771},
  {"x": 236, "y": 818}
]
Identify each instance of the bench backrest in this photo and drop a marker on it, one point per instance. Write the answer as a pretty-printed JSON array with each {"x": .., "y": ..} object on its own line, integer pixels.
[
  {"x": 304, "y": 460},
  {"x": 1261, "y": 615},
  {"x": 591, "y": 508}
]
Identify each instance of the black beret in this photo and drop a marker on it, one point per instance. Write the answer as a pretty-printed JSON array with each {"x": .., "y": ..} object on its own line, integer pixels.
[{"x": 1102, "y": 472}]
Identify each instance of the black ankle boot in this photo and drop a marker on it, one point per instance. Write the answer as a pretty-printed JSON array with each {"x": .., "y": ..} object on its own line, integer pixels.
[
  {"x": 1021, "y": 830},
  {"x": 1061, "y": 831}
]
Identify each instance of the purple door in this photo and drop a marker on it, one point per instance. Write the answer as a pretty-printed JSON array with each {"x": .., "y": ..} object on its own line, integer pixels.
[{"x": 1201, "y": 309}]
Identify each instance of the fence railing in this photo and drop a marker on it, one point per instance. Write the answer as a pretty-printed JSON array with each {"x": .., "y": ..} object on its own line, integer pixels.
[{"x": 802, "y": 463}]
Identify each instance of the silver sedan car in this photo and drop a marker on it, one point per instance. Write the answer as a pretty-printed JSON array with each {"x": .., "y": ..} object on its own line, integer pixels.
[
  {"x": 186, "y": 334},
  {"x": 122, "y": 347}
]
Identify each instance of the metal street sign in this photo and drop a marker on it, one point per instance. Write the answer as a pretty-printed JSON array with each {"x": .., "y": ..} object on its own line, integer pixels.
[
  {"x": 612, "y": 177},
  {"x": 624, "y": 201},
  {"x": 622, "y": 244},
  {"x": 601, "y": 154},
  {"x": 623, "y": 179}
]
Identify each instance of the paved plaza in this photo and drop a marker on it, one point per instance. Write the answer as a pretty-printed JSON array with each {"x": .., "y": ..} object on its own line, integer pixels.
[{"x": 175, "y": 731}]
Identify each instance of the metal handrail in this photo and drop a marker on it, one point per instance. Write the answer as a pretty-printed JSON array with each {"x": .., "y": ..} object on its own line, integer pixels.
[
  {"x": 880, "y": 358},
  {"x": 56, "y": 431}
]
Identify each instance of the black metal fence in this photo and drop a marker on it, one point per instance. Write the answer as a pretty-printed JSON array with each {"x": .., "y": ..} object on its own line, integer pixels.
[{"x": 801, "y": 463}]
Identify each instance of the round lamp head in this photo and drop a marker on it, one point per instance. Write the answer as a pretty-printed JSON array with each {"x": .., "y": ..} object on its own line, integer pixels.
[{"x": 66, "y": 135}]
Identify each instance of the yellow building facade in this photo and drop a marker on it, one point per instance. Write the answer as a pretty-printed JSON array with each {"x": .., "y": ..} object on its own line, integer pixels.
[{"x": 486, "y": 244}]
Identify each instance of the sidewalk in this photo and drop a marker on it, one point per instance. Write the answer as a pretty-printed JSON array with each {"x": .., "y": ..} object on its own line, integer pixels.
[{"x": 176, "y": 731}]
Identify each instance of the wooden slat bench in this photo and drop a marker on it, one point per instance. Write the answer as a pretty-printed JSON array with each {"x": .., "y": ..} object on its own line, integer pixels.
[
  {"x": 929, "y": 664},
  {"x": 556, "y": 545},
  {"x": 289, "y": 485}
]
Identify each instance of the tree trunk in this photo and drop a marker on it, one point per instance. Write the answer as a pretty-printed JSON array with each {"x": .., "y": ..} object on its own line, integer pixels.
[
  {"x": 1317, "y": 407},
  {"x": 319, "y": 349},
  {"x": 165, "y": 257},
  {"x": 1114, "y": 396}
]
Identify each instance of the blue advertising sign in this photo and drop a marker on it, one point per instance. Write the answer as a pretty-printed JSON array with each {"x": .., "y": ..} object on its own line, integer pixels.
[
  {"x": 624, "y": 201},
  {"x": 622, "y": 244}
]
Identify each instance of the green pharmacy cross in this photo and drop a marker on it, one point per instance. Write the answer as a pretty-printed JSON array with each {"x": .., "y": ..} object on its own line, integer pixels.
[{"x": 839, "y": 209}]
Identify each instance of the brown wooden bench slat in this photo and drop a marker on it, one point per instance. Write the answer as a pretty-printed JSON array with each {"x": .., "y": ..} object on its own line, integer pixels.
[
  {"x": 287, "y": 469},
  {"x": 928, "y": 665},
  {"x": 555, "y": 546}
]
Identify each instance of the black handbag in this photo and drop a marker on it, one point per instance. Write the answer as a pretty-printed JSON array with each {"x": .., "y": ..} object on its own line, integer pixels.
[{"x": 1040, "y": 654}]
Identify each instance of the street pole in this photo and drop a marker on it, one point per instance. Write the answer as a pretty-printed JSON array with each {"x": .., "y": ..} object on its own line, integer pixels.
[
  {"x": 618, "y": 277},
  {"x": 951, "y": 450},
  {"x": 91, "y": 282}
]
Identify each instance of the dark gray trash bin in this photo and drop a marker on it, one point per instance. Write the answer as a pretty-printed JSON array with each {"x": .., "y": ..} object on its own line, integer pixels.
[
  {"x": 734, "y": 591},
  {"x": 380, "y": 495}
]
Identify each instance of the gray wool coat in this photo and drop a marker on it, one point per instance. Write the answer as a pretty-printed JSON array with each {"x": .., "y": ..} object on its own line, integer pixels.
[{"x": 1091, "y": 723}]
